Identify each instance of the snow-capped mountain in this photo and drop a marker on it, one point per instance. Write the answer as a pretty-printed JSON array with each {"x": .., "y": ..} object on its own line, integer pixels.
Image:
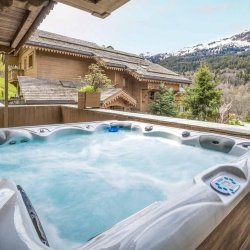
[
  {"x": 155, "y": 58},
  {"x": 236, "y": 44}
]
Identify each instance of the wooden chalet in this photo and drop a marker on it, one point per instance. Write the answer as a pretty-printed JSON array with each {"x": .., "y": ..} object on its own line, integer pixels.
[{"x": 54, "y": 57}]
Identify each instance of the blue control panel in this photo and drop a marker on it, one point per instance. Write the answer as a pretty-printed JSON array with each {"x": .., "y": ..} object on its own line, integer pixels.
[{"x": 225, "y": 185}]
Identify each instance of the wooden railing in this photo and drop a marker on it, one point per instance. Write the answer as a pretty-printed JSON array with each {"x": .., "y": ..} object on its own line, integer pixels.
[
  {"x": 28, "y": 115},
  {"x": 24, "y": 115}
]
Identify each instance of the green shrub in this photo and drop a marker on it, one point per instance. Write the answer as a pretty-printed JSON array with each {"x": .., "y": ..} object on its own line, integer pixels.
[
  {"x": 88, "y": 89},
  {"x": 233, "y": 120},
  {"x": 184, "y": 115},
  {"x": 247, "y": 118}
]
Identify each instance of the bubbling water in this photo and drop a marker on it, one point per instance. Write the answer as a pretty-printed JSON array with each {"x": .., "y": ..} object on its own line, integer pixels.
[{"x": 81, "y": 185}]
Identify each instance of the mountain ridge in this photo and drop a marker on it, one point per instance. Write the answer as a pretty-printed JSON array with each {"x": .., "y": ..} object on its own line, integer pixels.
[{"x": 235, "y": 44}]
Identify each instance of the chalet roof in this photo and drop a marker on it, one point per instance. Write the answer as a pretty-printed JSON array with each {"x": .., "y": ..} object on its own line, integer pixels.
[
  {"x": 44, "y": 91},
  {"x": 140, "y": 68}
]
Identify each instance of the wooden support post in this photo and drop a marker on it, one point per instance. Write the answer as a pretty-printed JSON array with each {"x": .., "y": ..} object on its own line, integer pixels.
[{"x": 6, "y": 91}]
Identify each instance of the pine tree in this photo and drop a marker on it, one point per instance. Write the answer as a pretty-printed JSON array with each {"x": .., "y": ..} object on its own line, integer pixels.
[
  {"x": 164, "y": 103},
  {"x": 202, "y": 99}
]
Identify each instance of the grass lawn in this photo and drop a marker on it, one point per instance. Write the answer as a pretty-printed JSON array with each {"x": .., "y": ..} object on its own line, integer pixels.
[{"x": 12, "y": 89}]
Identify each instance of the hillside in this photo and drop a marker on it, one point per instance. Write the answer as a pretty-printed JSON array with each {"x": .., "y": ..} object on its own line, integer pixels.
[
  {"x": 190, "y": 62},
  {"x": 231, "y": 53},
  {"x": 229, "y": 60}
]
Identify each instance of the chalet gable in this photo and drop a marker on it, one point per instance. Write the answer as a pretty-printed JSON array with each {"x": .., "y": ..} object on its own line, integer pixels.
[{"x": 117, "y": 97}]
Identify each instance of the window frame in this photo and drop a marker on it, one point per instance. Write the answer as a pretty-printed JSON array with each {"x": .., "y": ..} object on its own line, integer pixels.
[
  {"x": 25, "y": 63},
  {"x": 32, "y": 61},
  {"x": 125, "y": 82}
]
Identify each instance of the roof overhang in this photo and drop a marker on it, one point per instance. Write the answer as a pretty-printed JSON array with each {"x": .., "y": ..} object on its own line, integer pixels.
[
  {"x": 58, "y": 49},
  {"x": 159, "y": 78},
  {"x": 99, "y": 8},
  {"x": 18, "y": 19}
]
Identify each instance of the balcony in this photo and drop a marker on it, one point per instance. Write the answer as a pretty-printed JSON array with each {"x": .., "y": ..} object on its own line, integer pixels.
[{"x": 13, "y": 74}]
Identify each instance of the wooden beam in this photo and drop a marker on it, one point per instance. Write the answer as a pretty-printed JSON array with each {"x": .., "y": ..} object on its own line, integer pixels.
[
  {"x": 6, "y": 91},
  {"x": 9, "y": 3},
  {"x": 28, "y": 19},
  {"x": 39, "y": 18}
]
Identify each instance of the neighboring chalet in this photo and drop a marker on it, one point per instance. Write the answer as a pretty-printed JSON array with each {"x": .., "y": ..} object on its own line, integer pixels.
[
  {"x": 54, "y": 57},
  {"x": 44, "y": 91}
]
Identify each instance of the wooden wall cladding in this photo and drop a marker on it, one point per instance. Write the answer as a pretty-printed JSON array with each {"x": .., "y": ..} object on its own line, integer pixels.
[
  {"x": 234, "y": 231},
  {"x": 1, "y": 117},
  {"x": 61, "y": 67},
  {"x": 32, "y": 115}
]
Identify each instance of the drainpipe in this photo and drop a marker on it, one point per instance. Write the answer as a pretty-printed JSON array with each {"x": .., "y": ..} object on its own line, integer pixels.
[{"x": 6, "y": 91}]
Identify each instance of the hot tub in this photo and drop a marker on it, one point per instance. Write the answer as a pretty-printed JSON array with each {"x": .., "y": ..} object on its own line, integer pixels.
[{"x": 116, "y": 185}]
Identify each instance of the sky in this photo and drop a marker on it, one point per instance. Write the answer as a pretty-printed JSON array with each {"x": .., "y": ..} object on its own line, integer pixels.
[{"x": 154, "y": 26}]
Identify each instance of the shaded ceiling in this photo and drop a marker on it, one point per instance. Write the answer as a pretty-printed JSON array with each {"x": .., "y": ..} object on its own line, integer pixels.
[
  {"x": 100, "y": 8},
  {"x": 19, "y": 18}
]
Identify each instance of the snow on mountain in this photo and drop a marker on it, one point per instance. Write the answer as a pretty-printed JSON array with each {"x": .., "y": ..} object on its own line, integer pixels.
[
  {"x": 239, "y": 42},
  {"x": 236, "y": 44},
  {"x": 155, "y": 58}
]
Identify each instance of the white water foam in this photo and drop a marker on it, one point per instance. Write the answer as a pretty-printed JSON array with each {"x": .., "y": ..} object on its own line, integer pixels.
[{"x": 81, "y": 185}]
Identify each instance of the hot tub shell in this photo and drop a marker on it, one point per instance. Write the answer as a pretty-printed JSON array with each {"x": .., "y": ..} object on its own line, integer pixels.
[{"x": 181, "y": 223}]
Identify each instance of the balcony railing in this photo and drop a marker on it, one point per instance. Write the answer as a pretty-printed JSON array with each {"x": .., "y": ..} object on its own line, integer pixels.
[{"x": 14, "y": 73}]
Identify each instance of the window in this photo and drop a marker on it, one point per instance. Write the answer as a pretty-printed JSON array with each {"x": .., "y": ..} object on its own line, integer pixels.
[
  {"x": 31, "y": 61},
  {"x": 124, "y": 82},
  {"x": 151, "y": 95}
]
